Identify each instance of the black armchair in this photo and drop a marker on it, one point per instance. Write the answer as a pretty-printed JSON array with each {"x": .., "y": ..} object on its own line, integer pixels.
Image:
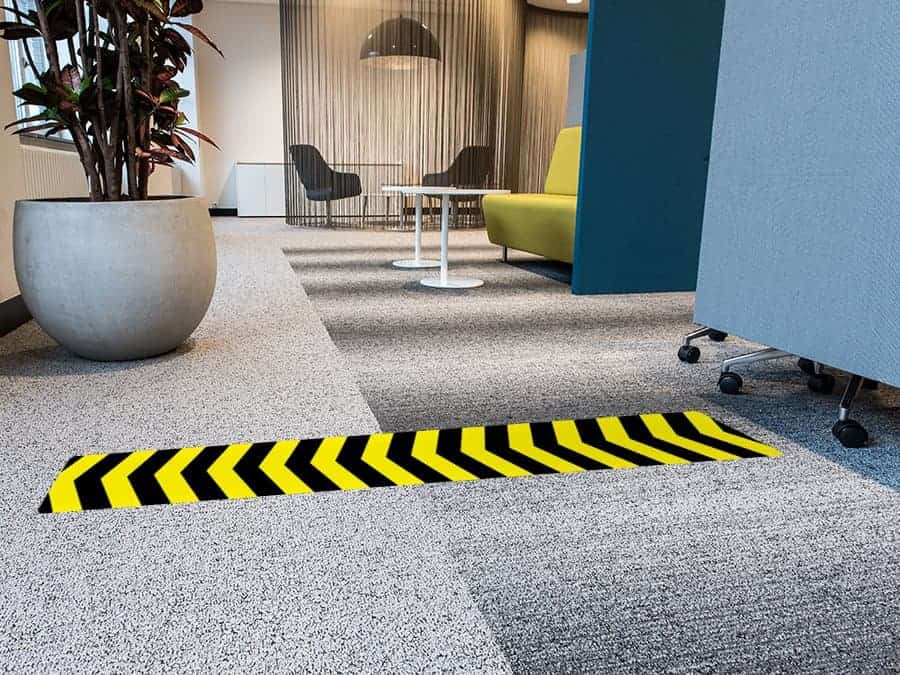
[
  {"x": 471, "y": 169},
  {"x": 321, "y": 182}
]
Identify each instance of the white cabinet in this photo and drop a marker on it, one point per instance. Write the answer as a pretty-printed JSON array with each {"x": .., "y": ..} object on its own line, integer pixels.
[{"x": 260, "y": 189}]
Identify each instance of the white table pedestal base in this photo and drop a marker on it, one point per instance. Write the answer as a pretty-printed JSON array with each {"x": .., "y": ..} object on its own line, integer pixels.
[
  {"x": 451, "y": 282},
  {"x": 416, "y": 264}
]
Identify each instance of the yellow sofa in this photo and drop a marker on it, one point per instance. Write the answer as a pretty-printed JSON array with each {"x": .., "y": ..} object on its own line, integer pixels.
[{"x": 541, "y": 223}]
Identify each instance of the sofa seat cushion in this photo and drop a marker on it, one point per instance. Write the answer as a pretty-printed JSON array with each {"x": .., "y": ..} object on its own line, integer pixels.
[{"x": 538, "y": 223}]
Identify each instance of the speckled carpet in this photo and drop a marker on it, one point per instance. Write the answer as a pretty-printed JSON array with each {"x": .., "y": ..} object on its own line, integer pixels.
[{"x": 785, "y": 565}]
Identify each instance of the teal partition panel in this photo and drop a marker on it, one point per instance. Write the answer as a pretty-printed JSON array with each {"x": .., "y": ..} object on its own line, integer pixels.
[{"x": 651, "y": 77}]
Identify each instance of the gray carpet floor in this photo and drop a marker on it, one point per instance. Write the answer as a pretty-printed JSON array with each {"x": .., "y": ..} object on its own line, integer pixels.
[{"x": 786, "y": 565}]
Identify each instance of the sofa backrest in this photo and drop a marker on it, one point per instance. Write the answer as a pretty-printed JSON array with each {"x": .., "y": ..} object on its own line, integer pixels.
[{"x": 562, "y": 177}]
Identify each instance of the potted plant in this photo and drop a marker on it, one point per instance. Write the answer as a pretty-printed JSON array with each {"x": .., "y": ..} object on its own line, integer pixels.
[{"x": 117, "y": 275}]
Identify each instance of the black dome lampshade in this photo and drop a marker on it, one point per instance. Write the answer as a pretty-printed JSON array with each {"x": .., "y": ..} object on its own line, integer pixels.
[{"x": 399, "y": 44}]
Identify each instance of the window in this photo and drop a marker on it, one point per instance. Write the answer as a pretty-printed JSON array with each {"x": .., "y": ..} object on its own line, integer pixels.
[{"x": 21, "y": 70}]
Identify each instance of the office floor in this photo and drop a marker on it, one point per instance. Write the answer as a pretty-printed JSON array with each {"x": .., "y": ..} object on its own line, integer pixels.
[{"x": 788, "y": 564}]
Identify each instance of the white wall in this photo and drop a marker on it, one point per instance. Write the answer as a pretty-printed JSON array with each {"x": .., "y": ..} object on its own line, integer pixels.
[
  {"x": 11, "y": 183},
  {"x": 238, "y": 97}
]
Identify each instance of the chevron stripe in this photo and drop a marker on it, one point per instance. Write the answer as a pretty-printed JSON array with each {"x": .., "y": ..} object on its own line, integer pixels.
[{"x": 244, "y": 470}]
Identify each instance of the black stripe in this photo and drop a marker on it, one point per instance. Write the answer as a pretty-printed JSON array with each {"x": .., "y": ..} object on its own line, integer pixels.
[
  {"x": 143, "y": 479},
  {"x": 683, "y": 427},
  {"x": 590, "y": 433},
  {"x": 496, "y": 439},
  {"x": 350, "y": 457},
  {"x": 90, "y": 490},
  {"x": 248, "y": 468},
  {"x": 299, "y": 464},
  {"x": 449, "y": 446},
  {"x": 638, "y": 430},
  {"x": 545, "y": 438},
  {"x": 196, "y": 473},
  {"x": 400, "y": 452},
  {"x": 736, "y": 432}
]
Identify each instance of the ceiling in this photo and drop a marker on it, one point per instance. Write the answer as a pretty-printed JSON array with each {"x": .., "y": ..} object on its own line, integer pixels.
[{"x": 561, "y": 5}]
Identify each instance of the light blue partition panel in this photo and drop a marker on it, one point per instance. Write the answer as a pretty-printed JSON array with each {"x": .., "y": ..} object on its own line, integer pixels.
[{"x": 801, "y": 235}]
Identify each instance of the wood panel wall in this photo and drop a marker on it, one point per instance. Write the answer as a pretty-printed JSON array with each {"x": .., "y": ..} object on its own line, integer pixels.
[{"x": 550, "y": 39}]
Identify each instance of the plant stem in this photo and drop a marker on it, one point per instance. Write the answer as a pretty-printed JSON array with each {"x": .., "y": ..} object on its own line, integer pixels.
[{"x": 125, "y": 70}]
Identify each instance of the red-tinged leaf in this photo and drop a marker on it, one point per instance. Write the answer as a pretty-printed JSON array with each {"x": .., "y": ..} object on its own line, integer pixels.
[
  {"x": 183, "y": 8},
  {"x": 70, "y": 77},
  {"x": 31, "y": 130},
  {"x": 197, "y": 134},
  {"x": 33, "y": 94},
  {"x": 199, "y": 34},
  {"x": 152, "y": 100},
  {"x": 12, "y": 30},
  {"x": 183, "y": 146},
  {"x": 34, "y": 118},
  {"x": 166, "y": 73}
]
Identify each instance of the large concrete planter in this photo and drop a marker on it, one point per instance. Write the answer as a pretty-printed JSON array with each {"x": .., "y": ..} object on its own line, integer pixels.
[{"x": 115, "y": 281}]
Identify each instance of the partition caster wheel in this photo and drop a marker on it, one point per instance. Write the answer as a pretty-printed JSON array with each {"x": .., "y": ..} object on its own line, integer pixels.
[
  {"x": 871, "y": 385},
  {"x": 807, "y": 366},
  {"x": 717, "y": 336},
  {"x": 850, "y": 433},
  {"x": 730, "y": 383},
  {"x": 688, "y": 353},
  {"x": 821, "y": 383}
]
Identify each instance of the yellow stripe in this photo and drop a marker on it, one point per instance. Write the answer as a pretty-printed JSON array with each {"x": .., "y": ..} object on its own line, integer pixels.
[
  {"x": 171, "y": 481},
  {"x": 63, "y": 495},
  {"x": 375, "y": 455},
  {"x": 567, "y": 436},
  {"x": 521, "y": 440},
  {"x": 115, "y": 482},
  {"x": 274, "y": 465},
  {"x": 325, "y": 460},
  {"x": 660, "y": 429},
  {"x": 222, "y": 472},
  {"x": 707, "y": 425},
  {"x": 473, "y": 445},
  {"x": 615, "y": 433},
  {"x": 425, "y": 450}
]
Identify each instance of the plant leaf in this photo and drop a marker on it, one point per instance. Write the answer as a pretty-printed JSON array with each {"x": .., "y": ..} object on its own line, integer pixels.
[
  {"x": 197, "y": 134},
  {"x": 199, "y": 34},
  {"x": 39, "y": 127},
  {"x": 173, "y": 94},
  {"x": 41, "y": 116},
  {"x": 183, "y": 8},
  {"x": 71, "y": 78},
  {"x": 12, "y": 30},
  {"x": 33, "y": 94}
]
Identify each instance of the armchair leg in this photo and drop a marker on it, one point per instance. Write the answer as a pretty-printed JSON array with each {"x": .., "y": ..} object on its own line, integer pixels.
[
  {"x": 504, "y": 256},
  {"x": 365, "y": 209}
]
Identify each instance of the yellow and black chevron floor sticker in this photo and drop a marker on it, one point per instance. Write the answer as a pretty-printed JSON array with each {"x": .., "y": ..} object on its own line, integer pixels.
[{"x": 244, "y": 470}]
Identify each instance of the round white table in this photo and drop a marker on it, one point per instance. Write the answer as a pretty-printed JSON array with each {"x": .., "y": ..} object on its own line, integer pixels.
[{"x": 444, "y": 280}]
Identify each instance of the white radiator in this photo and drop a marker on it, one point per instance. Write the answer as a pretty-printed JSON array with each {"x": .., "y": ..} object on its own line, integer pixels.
[{"x": 57, "y": 173}]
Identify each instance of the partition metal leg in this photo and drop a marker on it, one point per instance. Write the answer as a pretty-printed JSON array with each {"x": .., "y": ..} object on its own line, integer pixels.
[
  {"x": 731, "y": 383},
  {"x": 328, "y": 212},
  {"x": 365, "y": 208},
  {"x": 690, "y": 354},
  {"x": 849, "y": 432}
]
